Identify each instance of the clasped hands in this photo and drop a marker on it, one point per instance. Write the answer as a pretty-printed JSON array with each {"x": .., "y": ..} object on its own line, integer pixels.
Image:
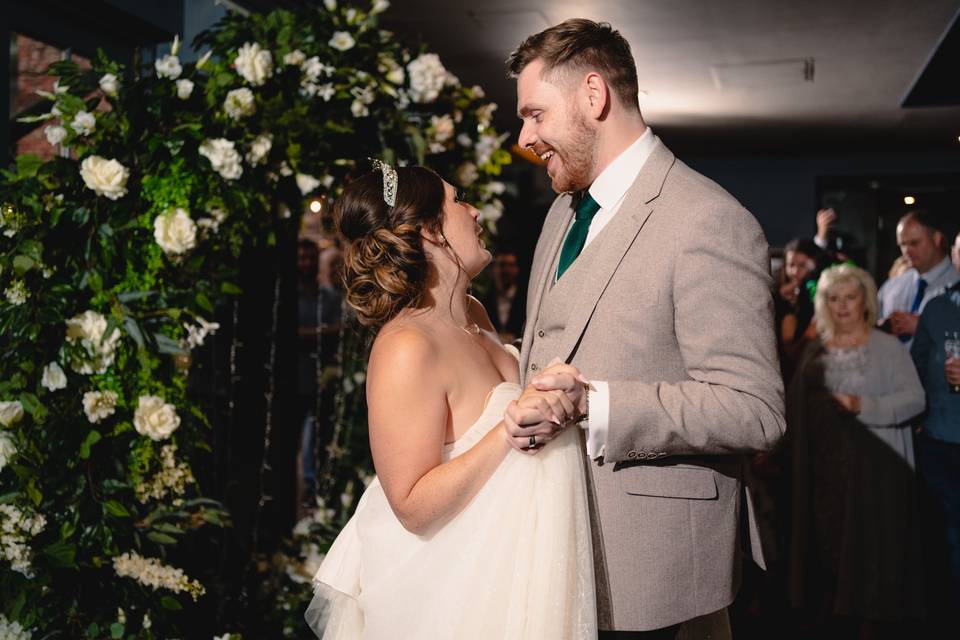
[{"x": 554, "y": 399}]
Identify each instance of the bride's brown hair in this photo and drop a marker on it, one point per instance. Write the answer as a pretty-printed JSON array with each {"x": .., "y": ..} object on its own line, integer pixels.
[{"x": 384, "y": 265}]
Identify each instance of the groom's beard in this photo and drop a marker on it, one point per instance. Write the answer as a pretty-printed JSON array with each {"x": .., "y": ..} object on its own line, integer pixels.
[{"x": 577, "y": 156}]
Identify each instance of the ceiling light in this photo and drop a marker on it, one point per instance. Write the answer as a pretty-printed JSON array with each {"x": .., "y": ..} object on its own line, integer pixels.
[
  {"x": 909, "y": 199},
  {"x": 315, "y": 206}
]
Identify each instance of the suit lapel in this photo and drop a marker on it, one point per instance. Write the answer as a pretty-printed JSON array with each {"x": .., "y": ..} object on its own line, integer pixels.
[{"x": 600, "y": 260}]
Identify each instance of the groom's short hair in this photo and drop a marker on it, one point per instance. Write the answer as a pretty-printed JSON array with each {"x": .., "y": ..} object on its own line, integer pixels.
[{"x": 580, "y": 44}]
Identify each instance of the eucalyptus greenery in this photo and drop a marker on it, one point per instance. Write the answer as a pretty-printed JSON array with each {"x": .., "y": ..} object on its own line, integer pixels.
[{"x": 115, "y": 257}]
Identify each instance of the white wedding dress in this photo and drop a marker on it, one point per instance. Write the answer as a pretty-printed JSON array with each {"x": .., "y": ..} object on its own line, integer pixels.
[{"x": 515, "y": 564}]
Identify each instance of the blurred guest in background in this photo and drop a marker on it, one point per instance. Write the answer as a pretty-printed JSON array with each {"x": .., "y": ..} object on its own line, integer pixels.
[
  {"x": 900, "y": 265},
  {"x": 903, "y": 297},
  {"x": 855, "y": 538},
  {"x": 955, "y": 253},
  {"x": 319, "y": 313},
  {"x": 938, "y": 441},
  {"x": 803, "y": 261},
  {"x": 506, "y": 299}
]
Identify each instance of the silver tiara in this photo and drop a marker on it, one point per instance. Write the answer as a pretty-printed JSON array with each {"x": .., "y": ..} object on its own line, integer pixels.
[{"x": 389, "y": 181}]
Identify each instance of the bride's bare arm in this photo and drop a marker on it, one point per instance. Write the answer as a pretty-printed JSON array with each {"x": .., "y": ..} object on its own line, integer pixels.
[{"x": 407, "y": 402}]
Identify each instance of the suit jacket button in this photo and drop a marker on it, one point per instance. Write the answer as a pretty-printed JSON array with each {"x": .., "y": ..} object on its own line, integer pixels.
[
  {"x": 533, "y": 367},
  {"x": 631, "y": 454},
  {"x": 540, "y": 333}
]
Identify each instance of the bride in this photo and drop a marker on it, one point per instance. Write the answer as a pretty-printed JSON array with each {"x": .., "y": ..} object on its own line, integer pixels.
[{"x": 462, "y": 534}]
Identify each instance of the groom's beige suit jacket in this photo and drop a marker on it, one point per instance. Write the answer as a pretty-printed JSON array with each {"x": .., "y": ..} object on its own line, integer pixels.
[{"x": 671, "y": 305}]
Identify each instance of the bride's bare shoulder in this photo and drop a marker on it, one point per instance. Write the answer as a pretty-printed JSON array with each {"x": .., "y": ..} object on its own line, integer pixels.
[{"x": 402, "y": 350}]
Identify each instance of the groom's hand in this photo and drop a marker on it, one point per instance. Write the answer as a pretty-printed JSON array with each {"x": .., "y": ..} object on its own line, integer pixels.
[
  {"x": 536, "y": 418},
  {"x": 567, "y": 379}
]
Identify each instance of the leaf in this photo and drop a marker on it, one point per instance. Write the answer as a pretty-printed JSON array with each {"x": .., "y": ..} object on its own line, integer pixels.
[
  {"x": 166, "y": 344},
  {"x": 28, "y": 164},
  {"x": 166, "y": 527},
  {"x": 230, "y": 289},
  {"x": 93, "y": 630},
  {"x": 116, "y": 631},
  {"x": 203, "y": 302},
  {"x": 161, "y": 538},
  {"x": 22, "y": 264},
  {"x": 116, "y": 509},
  {"x": 92, "y": 438},
  {"x": 170, "y": 603},
  {"x": 33, "y": 493},
  {"x": 61, "y": 554},
  {"x": 133, "y": 330},
  {"x": 130, "y": 296}
]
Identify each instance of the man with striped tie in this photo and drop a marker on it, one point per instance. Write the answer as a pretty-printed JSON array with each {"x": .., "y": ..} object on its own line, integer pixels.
[{"x": 653, "y": 283}]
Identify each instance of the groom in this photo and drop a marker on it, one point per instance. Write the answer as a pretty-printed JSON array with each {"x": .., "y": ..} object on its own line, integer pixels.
[{"x": 653, "y": 282}]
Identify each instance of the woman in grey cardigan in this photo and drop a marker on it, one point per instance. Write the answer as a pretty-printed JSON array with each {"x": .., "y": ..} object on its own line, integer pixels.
[{"x": 855, "y": 538}]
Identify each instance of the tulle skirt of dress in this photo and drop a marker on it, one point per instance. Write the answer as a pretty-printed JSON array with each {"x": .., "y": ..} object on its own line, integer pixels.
[{"x": 515, "y": 564}]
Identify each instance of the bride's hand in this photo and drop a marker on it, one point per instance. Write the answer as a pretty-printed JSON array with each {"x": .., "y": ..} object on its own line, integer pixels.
[
  {"x": 536, "y": 418},
  {"x": 559, "y": 376}
]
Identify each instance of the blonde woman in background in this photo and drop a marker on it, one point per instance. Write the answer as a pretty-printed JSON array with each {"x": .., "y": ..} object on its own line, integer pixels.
[{"x": 855, "y": 553}]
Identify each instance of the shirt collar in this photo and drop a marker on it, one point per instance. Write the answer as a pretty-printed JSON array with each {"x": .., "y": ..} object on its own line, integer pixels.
[
  {"x": 935, "y": 274},
  {"x": 613, "y": 182}
]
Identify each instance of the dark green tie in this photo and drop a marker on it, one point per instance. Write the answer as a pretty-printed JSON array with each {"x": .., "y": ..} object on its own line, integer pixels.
[{"x": 577, "y": 235}]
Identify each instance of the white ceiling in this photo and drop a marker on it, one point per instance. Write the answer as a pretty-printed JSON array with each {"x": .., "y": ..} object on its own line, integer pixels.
[{"x": 716, "y": 71}]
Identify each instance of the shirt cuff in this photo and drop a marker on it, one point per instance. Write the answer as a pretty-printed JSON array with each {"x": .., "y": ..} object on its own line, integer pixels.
[{"x": 598, "y": 422}]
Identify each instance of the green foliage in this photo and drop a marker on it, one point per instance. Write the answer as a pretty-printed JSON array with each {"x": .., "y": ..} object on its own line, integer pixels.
[{"x": 79, "y": 237}]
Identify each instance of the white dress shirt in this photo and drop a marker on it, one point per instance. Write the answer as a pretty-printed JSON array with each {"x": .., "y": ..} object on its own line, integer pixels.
[
  {"x": 897, "y": 293},
  {"x": 608, "y": 190}
]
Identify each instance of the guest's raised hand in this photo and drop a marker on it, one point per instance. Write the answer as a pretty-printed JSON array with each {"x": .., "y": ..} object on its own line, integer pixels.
[{"x": 848, "y": 403}]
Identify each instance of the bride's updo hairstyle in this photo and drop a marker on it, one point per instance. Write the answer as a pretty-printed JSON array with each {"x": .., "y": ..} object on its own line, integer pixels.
[{"x": 384, "y": 265}]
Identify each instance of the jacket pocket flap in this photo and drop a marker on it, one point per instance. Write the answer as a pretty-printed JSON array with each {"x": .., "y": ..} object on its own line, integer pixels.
[{"x": 669, "y": 482}]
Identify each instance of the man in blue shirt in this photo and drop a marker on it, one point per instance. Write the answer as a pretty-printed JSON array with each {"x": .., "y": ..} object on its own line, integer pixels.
[
  {"x": 903, "y": 297},
  {"x": 938, "y": 441}
]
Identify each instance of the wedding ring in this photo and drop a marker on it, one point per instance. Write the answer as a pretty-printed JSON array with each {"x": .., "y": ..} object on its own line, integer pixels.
[{"x": 533, "y": 441}]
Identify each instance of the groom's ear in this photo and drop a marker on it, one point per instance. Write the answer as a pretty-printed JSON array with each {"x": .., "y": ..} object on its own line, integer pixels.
[{"x": 597, "y": 95}]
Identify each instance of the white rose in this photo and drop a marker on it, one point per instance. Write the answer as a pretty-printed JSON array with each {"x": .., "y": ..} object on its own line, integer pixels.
[
  {"x": 53, "y": 377},
  {"x": 254, "y": 63},
  {"x": 89, "y": 330},
  {"x": 55, "y": 134},
  {"x": 98, "y": 405},
  {"x": 467, "y": 174},
  {"x": 427, "y": 77},
  {"x": 84, "y": 123},
  {"x": 464, "y": 140},
  {"x": 239, "y": 103},
  {"x": 7, "y": 449},
  {"x": 295, "y": 57},
  {"x": 259, "y": 149},
  {"x": 306, "y": 183},
  {"x": 223, "y": 157},
  {"x": 175, "y": 231},
  {"x": 11, "y": 412},
  {"x": 168, "y": 67},
  {"x": 342, "y": 41},
  {"x": 490, "y": 213},
  {"x": 184, "y": 88},
  {"x": 109, "y": 85},
  {"x": 107, "y": 178},
  {"x": 379, "y": 6},
  {"x": 155, "y": 418},
  {"x": 331, "y": 5}
]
